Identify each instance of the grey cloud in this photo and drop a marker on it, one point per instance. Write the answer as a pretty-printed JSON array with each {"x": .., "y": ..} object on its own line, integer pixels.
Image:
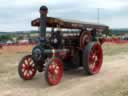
[{"x": 19, "y": 17}]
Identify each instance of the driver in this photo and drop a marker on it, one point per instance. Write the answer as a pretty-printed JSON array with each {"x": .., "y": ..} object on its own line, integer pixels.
[{"x": 56, "y": 39}]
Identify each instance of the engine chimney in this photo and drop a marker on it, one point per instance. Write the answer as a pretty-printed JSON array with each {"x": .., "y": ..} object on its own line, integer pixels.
[{"x": 43, "y": 20}]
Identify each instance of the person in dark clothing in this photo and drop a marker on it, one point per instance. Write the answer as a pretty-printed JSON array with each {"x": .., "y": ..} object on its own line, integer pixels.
[{"x": 93, "y": 33}]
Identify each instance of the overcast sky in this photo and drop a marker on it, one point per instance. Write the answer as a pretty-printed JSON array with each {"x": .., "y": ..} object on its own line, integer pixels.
[{"x": 16, "y": 15}]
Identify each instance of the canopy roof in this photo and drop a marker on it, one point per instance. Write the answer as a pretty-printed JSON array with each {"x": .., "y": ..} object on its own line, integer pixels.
[{"x": 69, "y": 24}]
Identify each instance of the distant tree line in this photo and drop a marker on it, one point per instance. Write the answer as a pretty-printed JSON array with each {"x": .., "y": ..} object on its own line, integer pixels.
[{"x": 5, "y": 37}]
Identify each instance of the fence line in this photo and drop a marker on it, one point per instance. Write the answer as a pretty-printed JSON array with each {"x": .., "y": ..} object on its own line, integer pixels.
[
  {"x": 112, "y": 40},
  {"x": 116, "y": 41},
  {"x": 17, "y": 44}
]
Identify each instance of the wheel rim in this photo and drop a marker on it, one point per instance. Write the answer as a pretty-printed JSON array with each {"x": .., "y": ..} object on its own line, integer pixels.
[
  {"x": 55, "y": 71},
  {"x": 28, "y": 69},
  {"x": 95, "y": 58}
]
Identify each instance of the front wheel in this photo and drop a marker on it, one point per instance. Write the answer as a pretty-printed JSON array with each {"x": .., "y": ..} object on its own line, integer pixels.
[
  {"x": 26, "y": 68},
  {"x": 92, "y": 58},
  {"x": 54, "y": 71}
]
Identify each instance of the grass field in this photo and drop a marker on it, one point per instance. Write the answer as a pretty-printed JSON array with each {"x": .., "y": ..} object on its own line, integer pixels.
[{"x": 112, "y": 81}]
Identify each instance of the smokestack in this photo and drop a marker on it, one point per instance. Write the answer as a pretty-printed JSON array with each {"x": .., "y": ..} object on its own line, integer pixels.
[{"x": 43, "y": 21}]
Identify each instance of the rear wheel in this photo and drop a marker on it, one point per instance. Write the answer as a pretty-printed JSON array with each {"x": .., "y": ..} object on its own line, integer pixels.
[
  {"x": 92, "y": 58},
  {"x": 85, "y": 38},
  {"x": 26, "y": 68},
  {"x": 54, "y": 71}
]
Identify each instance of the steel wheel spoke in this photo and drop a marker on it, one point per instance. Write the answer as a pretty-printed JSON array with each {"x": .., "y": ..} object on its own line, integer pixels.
[
  {"x": 27, "y": 68},
  {"x": 55, "y": 70}
]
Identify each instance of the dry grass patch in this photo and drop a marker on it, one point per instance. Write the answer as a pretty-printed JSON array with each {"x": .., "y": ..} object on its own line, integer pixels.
[{"x": 118, "y": 88}]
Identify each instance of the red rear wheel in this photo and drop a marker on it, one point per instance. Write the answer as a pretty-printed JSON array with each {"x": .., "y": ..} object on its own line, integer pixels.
[
  {"x": 26, "y": 68},
  {"x": 54, "y": 71},
  {"x": 92, "y": 58}
]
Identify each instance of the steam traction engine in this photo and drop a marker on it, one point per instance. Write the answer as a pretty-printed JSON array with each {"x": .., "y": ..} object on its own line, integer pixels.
[{"x": 63, "y": 49}]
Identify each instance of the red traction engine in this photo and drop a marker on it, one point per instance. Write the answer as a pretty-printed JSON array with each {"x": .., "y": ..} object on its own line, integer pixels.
[{"x": 69, "y": 45}]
